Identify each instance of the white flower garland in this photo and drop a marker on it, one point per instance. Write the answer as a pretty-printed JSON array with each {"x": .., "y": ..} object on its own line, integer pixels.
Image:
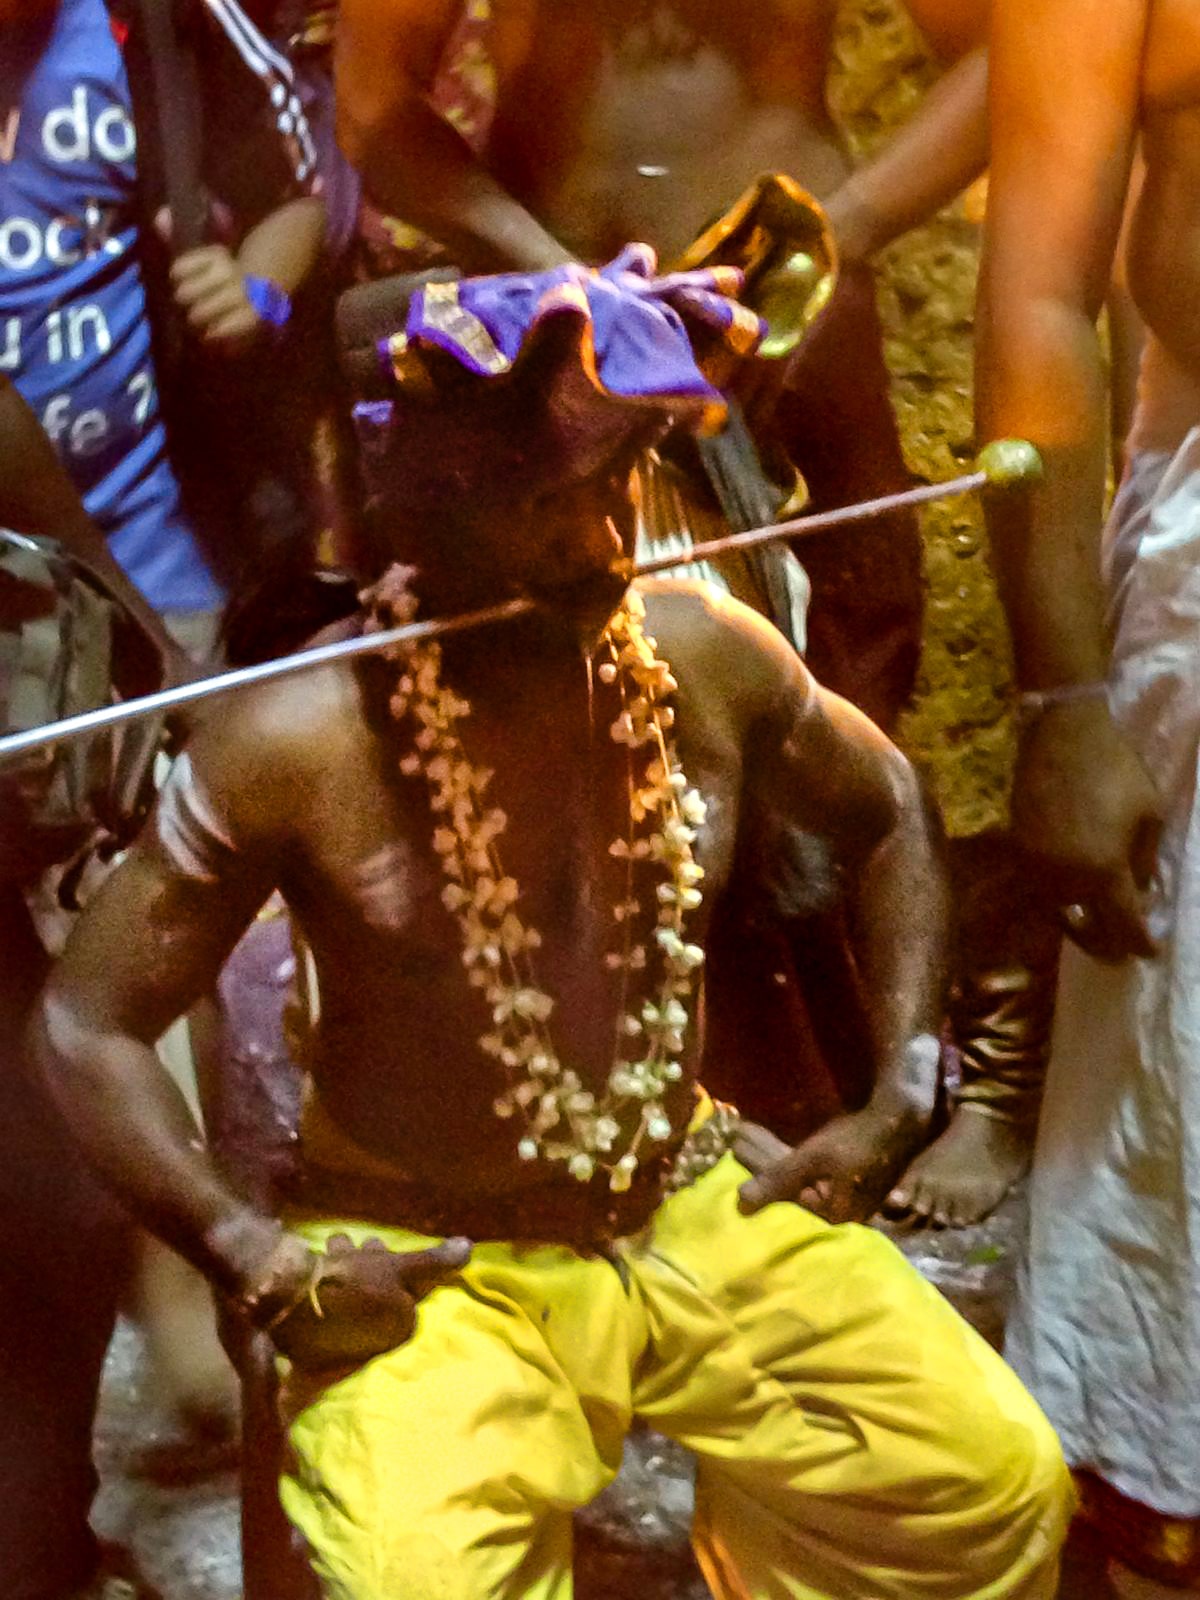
[{"x": 562, "y": 1121}]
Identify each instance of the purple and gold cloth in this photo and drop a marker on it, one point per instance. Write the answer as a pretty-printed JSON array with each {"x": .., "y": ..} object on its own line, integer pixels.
[
  {"x": 632, "y": 328},
  {"x": 512, "y": 380}
]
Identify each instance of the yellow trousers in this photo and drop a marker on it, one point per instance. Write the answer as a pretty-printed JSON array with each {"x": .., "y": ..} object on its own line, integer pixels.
[{"x": 855, "y": 1438}]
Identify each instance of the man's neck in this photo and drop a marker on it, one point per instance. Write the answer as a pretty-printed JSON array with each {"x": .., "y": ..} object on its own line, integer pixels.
[{"x": 533, "y": 658}]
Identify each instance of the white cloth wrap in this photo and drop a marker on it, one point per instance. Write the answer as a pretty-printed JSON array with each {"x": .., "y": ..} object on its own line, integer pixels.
[
  {"x": 668, "y": 525},
  {"x": 1106, "y": 1329}
]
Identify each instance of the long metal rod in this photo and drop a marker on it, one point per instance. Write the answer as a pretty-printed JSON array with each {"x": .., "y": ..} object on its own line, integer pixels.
[
  {"x": 186, "y": 694},
  {"x": 819, "y": 522}
]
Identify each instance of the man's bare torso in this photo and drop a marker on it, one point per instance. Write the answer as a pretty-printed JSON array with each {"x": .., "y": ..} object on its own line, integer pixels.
[
  {"x": 396, "y": 1058},
  {"x": 645, "y": 119},
  {"x": 1164, "y": 250}
]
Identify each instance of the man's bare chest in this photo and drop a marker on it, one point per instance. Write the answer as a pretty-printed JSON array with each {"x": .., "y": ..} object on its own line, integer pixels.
[
  {"x": 644, "y": 121},
  {"x": 563, "y": 904},
  {"x": 632, "y": 72},
  {"x": 383, "y": 858}
]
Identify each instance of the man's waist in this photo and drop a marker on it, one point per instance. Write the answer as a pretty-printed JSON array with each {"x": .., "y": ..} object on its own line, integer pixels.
[
  {"x": 555, "y": 1210},
  {"x": 584, "y": 1217}
]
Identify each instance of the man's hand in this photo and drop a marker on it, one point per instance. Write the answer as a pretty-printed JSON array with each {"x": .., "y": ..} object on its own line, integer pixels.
[
  {"x": 843, "y": 1172},
  {"x": 210, "y": 287},
  {"x": 1086, "y": 809},
  {"x": 363, "y": 1300}
]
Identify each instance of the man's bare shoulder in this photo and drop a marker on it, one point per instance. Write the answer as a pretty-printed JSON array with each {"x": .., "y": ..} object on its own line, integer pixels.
[
  {"x": 283, "y": 729},
  {"x": 718, "y": 646}
]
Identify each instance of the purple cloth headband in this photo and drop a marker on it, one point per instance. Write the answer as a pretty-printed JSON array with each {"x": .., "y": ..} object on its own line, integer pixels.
[{"x": 633, "y": 342}]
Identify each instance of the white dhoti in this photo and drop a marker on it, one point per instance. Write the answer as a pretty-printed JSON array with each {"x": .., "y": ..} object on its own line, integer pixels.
[{"x": 1106, "y": 1330}]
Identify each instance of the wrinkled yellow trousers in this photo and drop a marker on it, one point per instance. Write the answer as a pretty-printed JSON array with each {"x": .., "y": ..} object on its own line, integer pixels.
[{"x": 855, "y": 1437}]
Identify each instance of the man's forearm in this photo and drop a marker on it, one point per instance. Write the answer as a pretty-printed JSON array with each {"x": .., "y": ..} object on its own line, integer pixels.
[
  {"x": 930, "y": 160},
  {"x": 285, "y": 245},
  {"x": 899, "y": 908},
  {"x": 416, "y": 166},
  {"x": 1045, "y": 381},
  {"x": 37, "y": 497},
  {"x": 136, "y": 1131}
]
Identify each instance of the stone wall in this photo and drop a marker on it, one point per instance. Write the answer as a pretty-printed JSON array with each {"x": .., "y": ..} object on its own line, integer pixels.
[{"x": 959, "y": 727}]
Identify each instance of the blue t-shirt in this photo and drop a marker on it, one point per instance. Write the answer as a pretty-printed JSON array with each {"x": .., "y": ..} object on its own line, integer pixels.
[{"x": 74, "y": 334}]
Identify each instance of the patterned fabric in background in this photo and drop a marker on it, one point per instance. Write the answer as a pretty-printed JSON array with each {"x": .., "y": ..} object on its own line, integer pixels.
[
  {"x": 275, "y": 72},
  {"x": 465, "y": 94}
]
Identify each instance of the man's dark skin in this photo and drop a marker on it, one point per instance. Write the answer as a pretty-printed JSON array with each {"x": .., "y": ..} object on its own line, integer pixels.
[
  {"x": 616, "y": 119},
  {"x": 303, "y": 776}
]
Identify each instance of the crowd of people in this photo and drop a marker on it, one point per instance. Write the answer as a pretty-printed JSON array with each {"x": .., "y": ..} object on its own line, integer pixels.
[{"x": 319, "y": 319}]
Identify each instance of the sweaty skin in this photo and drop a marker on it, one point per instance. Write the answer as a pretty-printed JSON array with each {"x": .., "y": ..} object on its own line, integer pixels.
[
  {"x": 296, "y": 786},
  {"x": 1063, "y": 141}
]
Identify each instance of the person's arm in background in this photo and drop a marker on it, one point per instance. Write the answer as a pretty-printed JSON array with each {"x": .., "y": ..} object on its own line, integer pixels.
[
  {"x": 933, "y": 157},
  {"x": 939, "y": 151},
  {"x": 210, "y": 284},
  {"x": 37, "y": 497},
  {"x": 267, "y": 218},
  {"x": 413, "y": 163},
  {"x": 1064, "y": 100}
]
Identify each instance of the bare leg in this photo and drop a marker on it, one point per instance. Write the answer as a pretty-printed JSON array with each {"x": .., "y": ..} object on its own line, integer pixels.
[
  {"x": 1007, "y": 963},
  {"x": 192, "y": 1378}
]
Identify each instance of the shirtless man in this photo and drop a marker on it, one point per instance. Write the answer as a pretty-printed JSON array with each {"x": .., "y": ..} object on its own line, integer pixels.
[
  {"x": 904, "y": 1460},
  {"x": 1108, "y": 645}
]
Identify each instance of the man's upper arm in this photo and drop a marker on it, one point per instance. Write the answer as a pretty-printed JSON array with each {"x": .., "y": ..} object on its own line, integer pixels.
[
  {"x": 386, "y": 48},
  {"x": 1064, "y": 89},
  {"x": 155, "y": 937},
  {"x": 823, "y": 767}
]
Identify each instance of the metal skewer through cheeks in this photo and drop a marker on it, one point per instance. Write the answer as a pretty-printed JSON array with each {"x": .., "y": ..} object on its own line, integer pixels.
[{"x": 1004, "y": 465}]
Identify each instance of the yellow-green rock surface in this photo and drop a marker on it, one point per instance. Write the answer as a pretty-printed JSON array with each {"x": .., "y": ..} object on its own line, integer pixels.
[{"x": 959, "y": 727}]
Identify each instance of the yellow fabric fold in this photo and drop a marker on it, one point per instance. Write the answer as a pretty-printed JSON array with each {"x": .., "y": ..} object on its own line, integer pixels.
[{"x": 855, "y": 1438}]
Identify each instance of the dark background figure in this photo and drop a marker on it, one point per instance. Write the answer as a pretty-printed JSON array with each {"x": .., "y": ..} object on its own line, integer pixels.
[
  {"x": 65, "y": 1245},
  {"x": 112, "y": 335}
]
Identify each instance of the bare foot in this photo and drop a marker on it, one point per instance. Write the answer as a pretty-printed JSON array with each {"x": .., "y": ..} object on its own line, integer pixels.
[{"x": 964, "y": 1174}]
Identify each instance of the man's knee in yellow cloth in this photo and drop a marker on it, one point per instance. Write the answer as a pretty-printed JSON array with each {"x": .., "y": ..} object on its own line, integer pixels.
[
  {"x": 1000, "y": 1529},
  {"x": 959, "y": 1489},
  {"x": 1026, "y": 1499}
]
